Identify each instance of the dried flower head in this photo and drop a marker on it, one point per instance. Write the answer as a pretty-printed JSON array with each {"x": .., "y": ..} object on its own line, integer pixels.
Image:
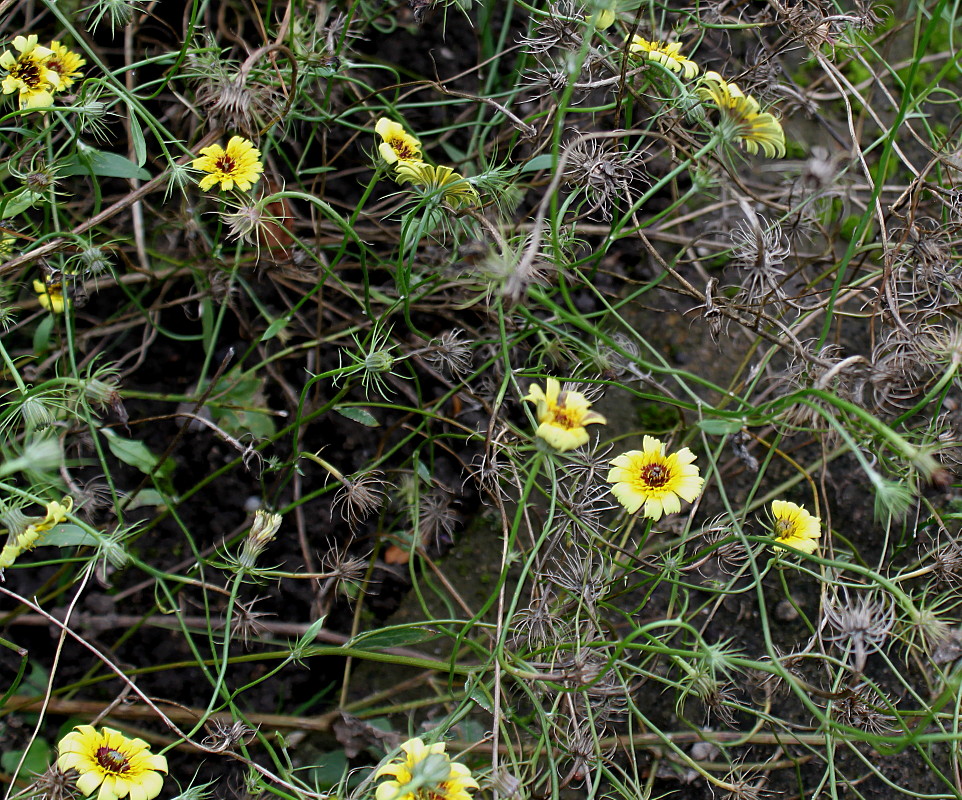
[
  {"x": 860, "y": 626},
  {"x": 360, "y": 496},
  {"x": 758, "y": 253},
  {"x": 606, "y": 170},
  {"x": 562, "y": 27},
  {"x": 859, "y": 708},
  {"x": 224, "y": 735},
  {"x": 450, "y": 353}
]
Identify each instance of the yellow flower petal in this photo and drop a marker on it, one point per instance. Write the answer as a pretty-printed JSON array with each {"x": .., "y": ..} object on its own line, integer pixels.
[
  {"x": 651, "y": 479},
  {"x": 562, "y": 415}
]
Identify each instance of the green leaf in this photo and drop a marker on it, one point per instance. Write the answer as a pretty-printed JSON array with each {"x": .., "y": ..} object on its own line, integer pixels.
[
  {"x": 135, "y": 453},
  {"x": 68, "y": 536},
  {"x": 538, "y": 163},
  {"x": 236, "y": 403},
  {"x": 137, "y": 138},
  {"x": 721, "y": 427},
  {"x": 41, "y": 336},
  {"x": 275, "y": 327},
  {"x": 18, "y": 201},
  {"x": 38, "y": 757},
  {"x": 393, "y": 637},
  {"x": 147, "y": 497},
  {"x": 355, "y": 414},
  {"x": 90, "y": 161}
]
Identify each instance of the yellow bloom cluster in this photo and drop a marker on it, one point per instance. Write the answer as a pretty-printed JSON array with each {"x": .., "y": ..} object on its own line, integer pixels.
[
  {"x": 562, "y": 415},
  {"x": 668, "y": 54},
  {"x": 35, "y": 73},
  {"x": 238, "y": 164},
  {"x": 741, "y": 117},
  {"x": 402, "y": 151},
  {"x": 656, "y": 482},
  {"x": 424, "y": 773},
  {"x": 119, "y": 766},
  {"x": 795, "y": 527},
  {"x": 20, "y": 541}
]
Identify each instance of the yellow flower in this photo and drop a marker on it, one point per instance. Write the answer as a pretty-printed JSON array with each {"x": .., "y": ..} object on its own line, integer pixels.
[
  {"x": 50, "y": 297},
  {"x": 795, "y": 527},
  {"x": 26, "y": 539},
  {"x": 29, "y": 73},
  {"x": 665, "y": 53},
  {"x": 425, "y": 773},
  {"x": 654, "y": 480},
  {"x": 442, "y": 182},
  {"x": 398, "y": 144},
  {"x": 118, "y": 765},
  {"x": 562, "y": 415},
  {"x": 239, "y": 164},
  {"x": 603, "y": 20},
  {"x": 741, "y": 118},
  {"x": 66, "y": 63}
]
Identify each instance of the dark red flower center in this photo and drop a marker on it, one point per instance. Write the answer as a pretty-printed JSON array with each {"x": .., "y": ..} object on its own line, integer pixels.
[
  {"x": 226, "y": 164},
  {"x": 402, "y": 151},
  {"x": 655, "y": 475},
  {"x": 565, "y": 417},
  {"x": 112, "y": 760},
  {"x": 28, "y": 71}
]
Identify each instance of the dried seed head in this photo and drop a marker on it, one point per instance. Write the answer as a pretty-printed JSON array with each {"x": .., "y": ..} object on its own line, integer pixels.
[
  {"x": 759, "y": 251},
  {"x": 728, "y": 551},
  {"x": 223, "y": 735},
  {"x": 860, "y": 708},
  {"x": 246, "y": 623},
  {"x": 561, "y": 28},
  {"x": 450, "y": 353},
  {"x": 437, "y": 518},
  {"x": 860, "y": 625},
  {"x": 361, "y": 496},
  {"x": 345, "y": 570},
  {"x": 947, "y": 564},
  {"x": 606, "y": 170},
  {"x": 52, "y": 784}
]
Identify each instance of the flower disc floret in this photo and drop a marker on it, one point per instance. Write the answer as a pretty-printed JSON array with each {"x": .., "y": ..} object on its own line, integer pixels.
[
  {"x": 398, "y": 144},
  {"x": 668, "y": 54},
  {"x": 795, "y": 527},
  {"x": 29, "y": 73},
  {"x": 424, "y": 773},
  {"x": 651, "y": 479},
  {"x": 66, "y": 63},
  {"x": 741, "y": 117},
  {"x": 562, "y": 415},
  {"x": 120, "y": 766},
  {"x": 239, "y": 164}
]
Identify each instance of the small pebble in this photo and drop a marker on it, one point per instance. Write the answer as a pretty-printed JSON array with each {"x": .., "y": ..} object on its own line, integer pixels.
[{"x": 786, "y": 612}]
